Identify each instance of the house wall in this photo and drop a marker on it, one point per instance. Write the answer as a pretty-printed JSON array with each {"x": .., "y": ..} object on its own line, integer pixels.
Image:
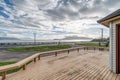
[{"x": 112, "y": 57}]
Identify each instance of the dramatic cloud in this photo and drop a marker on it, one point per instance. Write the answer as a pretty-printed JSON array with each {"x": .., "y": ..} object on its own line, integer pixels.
[{"x": 53, "y": 18}]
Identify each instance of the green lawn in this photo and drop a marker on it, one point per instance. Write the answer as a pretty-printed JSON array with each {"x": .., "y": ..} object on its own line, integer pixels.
[
  {"x": 38, "y": 48},
  {"x": 8, "y": 63},
  {"x": 91, "y": 44}
]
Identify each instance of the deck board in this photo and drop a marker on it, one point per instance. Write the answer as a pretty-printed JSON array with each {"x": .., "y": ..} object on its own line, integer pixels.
[{"x": 82, "y": 65}]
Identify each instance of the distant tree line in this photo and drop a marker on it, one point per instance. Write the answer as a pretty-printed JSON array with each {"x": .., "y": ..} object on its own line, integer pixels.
[{"x": 100, "y": 41}]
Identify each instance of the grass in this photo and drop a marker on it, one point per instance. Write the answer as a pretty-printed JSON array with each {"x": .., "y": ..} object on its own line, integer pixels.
[
  {"x": 8, "y": 63},
  {"x": 91, "y": 44},
  {"x": 12, "y": 71},
  {"x": 38, "y": 48}
]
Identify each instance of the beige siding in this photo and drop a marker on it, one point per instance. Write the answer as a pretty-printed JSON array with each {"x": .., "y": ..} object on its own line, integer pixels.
[
  {"x": 113, "y": 45},
  {"x": 112, "y": 48}
]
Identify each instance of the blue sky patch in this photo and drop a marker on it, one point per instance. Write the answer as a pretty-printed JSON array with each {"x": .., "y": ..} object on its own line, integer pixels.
[
  {"x": 8, "y": 2},
  {"x": 1, "y": 8},
  {"x": 3, "y": 14}
]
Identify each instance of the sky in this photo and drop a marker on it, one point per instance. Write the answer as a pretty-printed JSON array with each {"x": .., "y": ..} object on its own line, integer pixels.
[{"x": 54, "y": 19}]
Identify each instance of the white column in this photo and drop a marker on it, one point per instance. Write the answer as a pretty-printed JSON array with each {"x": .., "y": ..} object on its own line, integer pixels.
[{"x": 110, "y": 47}]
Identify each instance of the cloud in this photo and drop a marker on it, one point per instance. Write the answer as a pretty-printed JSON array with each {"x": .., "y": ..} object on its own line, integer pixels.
[
  {"x": 77, "y": 9},
  {"x": 49, "y": 18},
  {"x": 62, "y": 11},
  {"x": 3, "y": 34}
]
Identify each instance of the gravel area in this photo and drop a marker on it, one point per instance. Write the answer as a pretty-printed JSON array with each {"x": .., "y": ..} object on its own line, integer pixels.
[{"x": 13, "y": 56}]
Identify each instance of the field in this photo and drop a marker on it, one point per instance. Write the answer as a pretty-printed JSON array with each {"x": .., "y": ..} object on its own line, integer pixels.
[
  {"x": 92, "y": 44},
  {"x": 38, "y": 48}
]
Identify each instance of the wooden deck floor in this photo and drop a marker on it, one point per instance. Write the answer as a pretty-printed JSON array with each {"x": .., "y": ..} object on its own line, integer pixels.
[{"x": 85, "y": 65}]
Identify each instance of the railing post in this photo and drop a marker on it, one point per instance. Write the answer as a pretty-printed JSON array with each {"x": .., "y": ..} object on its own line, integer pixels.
[
  {"x": 87, "y": 48},
  {"x": 55, "y": 53},
  {"x": 3, "y": 75},
  {"x": 103, "y": 49},
  {"x": 34, "y": 59},
  {"x": 78, "y": 49},
  {"x": 68, "y": 51},
  {"x": 84, "y": 48},
  {"x": 24, "y": 67},
  {"x": 39, "y": 57}
]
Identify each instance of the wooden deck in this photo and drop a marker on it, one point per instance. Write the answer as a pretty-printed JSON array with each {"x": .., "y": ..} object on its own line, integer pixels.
[{"x": 85, "y": 65}]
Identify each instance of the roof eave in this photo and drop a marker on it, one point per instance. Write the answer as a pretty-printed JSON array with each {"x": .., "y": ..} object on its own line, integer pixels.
[{"x": 106, "y": 22}]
